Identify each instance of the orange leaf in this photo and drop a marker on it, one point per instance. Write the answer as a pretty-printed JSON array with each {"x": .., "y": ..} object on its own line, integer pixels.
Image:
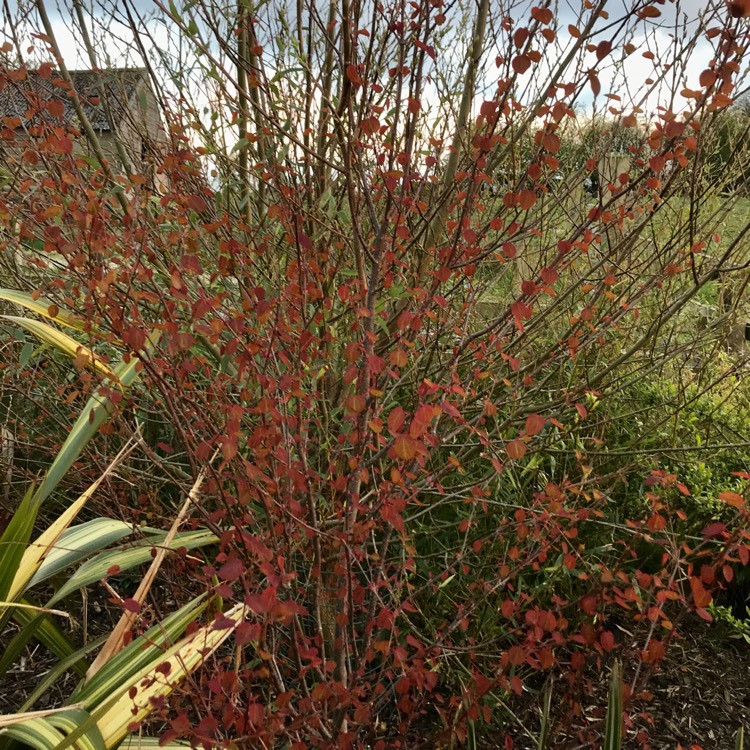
[
  {"x": 353, "y": 75},
  {"x": 603, "y": 49},
  {"x": 733, "y": 499},
  {"x": 707, "y": 78},
  {"x": 701, "y": 597},
  {"x": 650, "y": 11},
  {"x": 355, "y": 403},
  {"x": 405, "y": 447},
  {"x": 516, "y": 449},
  {"x": 534, "y": 424}
]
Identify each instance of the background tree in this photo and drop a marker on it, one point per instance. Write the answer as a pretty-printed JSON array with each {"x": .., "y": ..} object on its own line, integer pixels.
[{"x": 424, "y": 392}]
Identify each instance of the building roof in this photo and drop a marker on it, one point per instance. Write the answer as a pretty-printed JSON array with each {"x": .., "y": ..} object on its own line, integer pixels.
[{"x": 32, "y": 89}]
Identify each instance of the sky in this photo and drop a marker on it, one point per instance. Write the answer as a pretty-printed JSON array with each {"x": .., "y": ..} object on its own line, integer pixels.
[{"x": 114, "y": 42}]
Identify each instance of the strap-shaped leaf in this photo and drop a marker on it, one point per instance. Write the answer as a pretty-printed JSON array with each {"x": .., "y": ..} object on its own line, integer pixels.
[
  {"x": 14, "y": 542},
  {"x": 136, "y": 655},
  {"x": 125, "y": 559},
  {"x": 134, "y": 742},
  {"x": 80, "y": 542},
  {"x": 159, "y": 678},
  {"x": 98, "y": 410},
  {"x": 43, "y": 307},
  {"x": 32, "y": 732},
  {"x": 37, "y": 552},
  {"x": 64, "y": 343},
  {"x": 70, "y": 721}
]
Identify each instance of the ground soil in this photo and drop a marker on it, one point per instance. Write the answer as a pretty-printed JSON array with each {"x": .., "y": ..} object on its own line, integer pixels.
[{"x": 696, "y": 699}]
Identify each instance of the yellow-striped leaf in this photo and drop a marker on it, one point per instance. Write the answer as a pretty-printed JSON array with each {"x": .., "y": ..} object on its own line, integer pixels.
[{"x": 43, "y": 307}]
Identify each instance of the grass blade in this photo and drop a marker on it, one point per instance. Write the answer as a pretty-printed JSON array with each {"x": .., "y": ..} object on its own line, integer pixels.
[
  {"x": 46, "y": 631},
  {"x": 613, "y": 729},
  {"x": 544, "y": 729}
]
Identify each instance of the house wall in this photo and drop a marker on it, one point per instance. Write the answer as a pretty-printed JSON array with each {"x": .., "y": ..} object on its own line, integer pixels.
[{"x": 140, "y": 131}]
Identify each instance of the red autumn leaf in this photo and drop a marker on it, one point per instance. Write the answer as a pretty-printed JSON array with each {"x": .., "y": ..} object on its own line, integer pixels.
[
  {"x": 231, "y": 570},
  {"x": 526, "y": 199},
  {"x": 521, "y": 63},
  {"x": 657, "y": 163},
  {"x": 56, "y": 108},
  {"x": 515, "y": 449},
  {"x": 262, "y": 603},
  {"x": 222, "y": 622},
  {"x": 739, "y": 8},
  {"x": 396, "y": 420},
  {"x": 596, "y": 86},
  {"x": 131, "y": 605},
  {"x": 422, "y": 419},
  {"x": 398, "y": 358},
  {"x": 520, "y": 36},
  {"x": 65, "y": 146},
  {"x": 534, "y": 424},
  {"x": 551, "y": 142},
  {"x": 520, "y": 310},
  {"x": 488, "y": 108},
  {"x": 370, "y": 125},
  {"x": 516, "y": 656},
  {"x": 654, "y": 652},
  {"x": 721, "y": 101},
  {"x": 543, "y": 15},
  {"x": 603, "y": 49},
  {"x": 589, "y": 604},
  {"x": 607, "y": 640},
  {"x": 196, "y": 203}
]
